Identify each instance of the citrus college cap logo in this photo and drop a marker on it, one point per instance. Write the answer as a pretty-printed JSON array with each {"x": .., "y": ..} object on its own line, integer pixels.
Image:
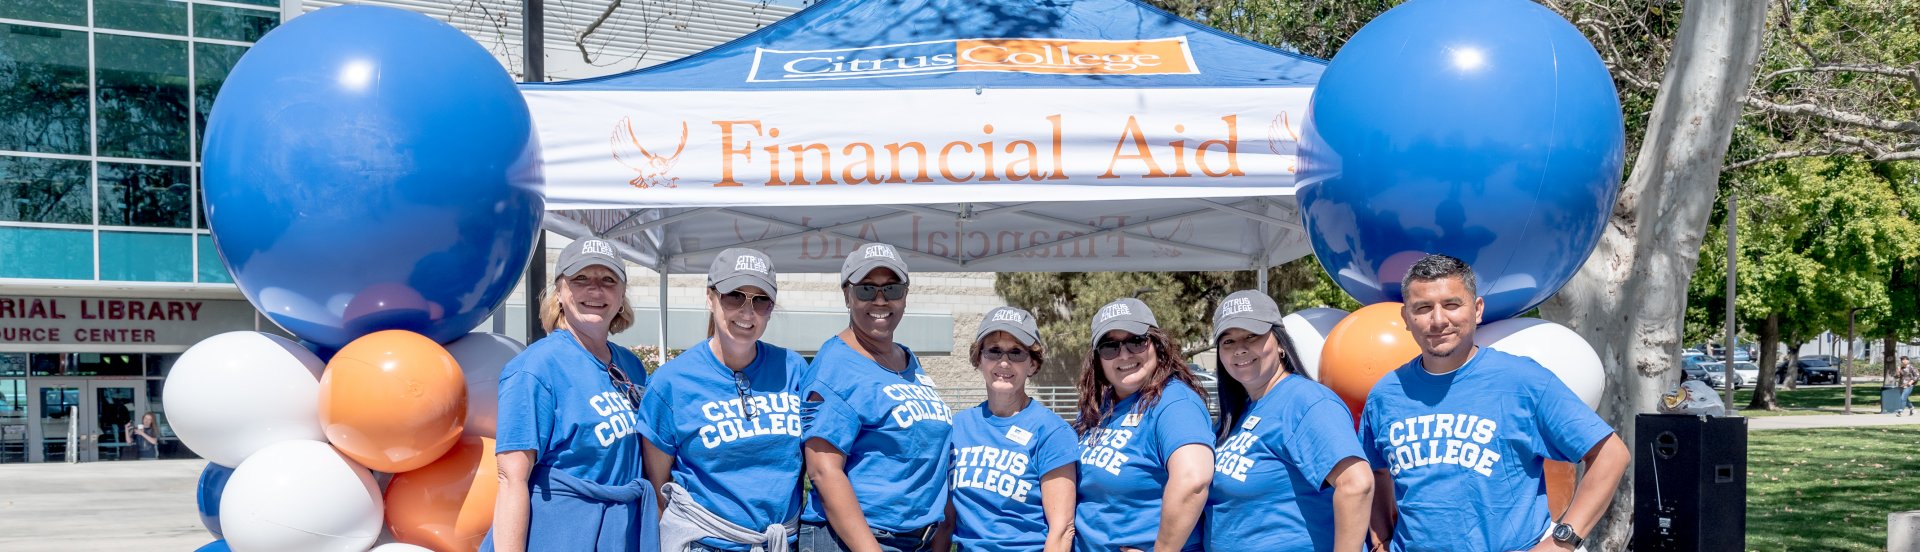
[
  {"x": 1236, "y": 306},
  {"x": 880, "y": 250},
  {"x": 750, "y": 262},
  {"x": 1162, "y": 56},
  {"x": 596, "y": 247},
  {"x": 1110, "y": 311},
  {"x": 1008, "y": 316}
]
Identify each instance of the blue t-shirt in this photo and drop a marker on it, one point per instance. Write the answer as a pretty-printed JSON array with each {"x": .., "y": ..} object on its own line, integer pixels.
[
  {"x": 741, "y": 462},
  {"x": 558, "y": 401},
  {"x": 1123, "y": 468},
  {"x": 1269, "y": 477},
  {"x": 1465, "y": 449},
  {"x": 894, "y": 428},
  {"x": 997, "y": 464}
]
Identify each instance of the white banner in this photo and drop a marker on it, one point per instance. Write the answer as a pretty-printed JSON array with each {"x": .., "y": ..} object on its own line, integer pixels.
[{"x": 631, "y": 149}]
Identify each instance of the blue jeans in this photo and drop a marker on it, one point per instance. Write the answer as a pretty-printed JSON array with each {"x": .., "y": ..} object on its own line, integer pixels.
[
  {"x": 1904, "y": 393},
  {"x": 820, "y": 538}
]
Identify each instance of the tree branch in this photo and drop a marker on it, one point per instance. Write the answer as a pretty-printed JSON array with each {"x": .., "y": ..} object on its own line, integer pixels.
[
  {"x": 1834, "y": 115},
  {"x": 1791, "y": 154},
  {"x": 580, "y": 38},
  {"x": 1909, "y": 73}
]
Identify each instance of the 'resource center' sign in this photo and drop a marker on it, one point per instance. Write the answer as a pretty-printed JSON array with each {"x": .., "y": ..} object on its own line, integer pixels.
[
  {"x": 1165, "y": 56},
  {"x": 118, "y": 322}
]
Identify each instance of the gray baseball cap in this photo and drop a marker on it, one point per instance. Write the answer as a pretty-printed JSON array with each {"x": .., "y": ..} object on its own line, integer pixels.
[
  {"x": 1248, "y": 310},
  {"x": 741, "y": 266},
  {"x": 871, "y": 256},
  {"x": 585, "y": 252},
  {"x": 1013, "y": 320},
  {"x": 1127, "y": 315}
]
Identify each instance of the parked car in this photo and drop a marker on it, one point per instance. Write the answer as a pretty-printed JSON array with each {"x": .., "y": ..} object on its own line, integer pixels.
[
  {"x": 1695, "y": 367},
  {"x": 1744, "y": 374},
  {"x": 1812, "y": 369}
]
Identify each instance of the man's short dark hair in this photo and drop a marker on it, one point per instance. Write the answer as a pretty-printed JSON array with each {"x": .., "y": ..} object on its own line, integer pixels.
[{"x": 1436, "y": 267}]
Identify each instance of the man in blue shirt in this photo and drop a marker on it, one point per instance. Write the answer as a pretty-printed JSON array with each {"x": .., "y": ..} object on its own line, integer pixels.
[{"x": 1458, "y": 435}]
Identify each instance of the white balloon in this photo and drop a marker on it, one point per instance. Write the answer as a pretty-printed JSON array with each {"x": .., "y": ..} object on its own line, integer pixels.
[
  {"x": 298, "y": 496},
  {"x": 237, "y": 392},
  {"x": 481, "y": 356},
  {"x": 1554, "y": 346},
  {"x": 1308, "y": 329}
]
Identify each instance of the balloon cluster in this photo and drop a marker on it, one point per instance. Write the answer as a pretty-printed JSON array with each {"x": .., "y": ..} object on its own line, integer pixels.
[
  {"x": 1487, "y": 130},
  {"x": 372, "y": 183}
]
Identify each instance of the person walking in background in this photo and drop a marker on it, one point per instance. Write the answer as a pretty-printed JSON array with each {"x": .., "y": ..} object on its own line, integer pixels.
[
  {"x": 1906, "y": 375},
  {"x": 722, "y": 423},
  {"x": 1013, "y": 458},
  {"x": 877, "y": 431},
  {"x": 1146, "y": 457},
  {"x": 1288, "y": 470},
  {"x": 145, "y": 442}
]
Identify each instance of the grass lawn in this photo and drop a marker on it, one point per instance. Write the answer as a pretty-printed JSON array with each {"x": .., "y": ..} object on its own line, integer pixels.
[
  {"x": 1814, "y": 400},
  {"x": 1829, "y": 489}
]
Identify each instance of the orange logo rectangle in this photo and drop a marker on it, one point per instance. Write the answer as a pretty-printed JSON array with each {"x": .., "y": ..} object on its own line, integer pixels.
[{"x": 1166, "y": 56}]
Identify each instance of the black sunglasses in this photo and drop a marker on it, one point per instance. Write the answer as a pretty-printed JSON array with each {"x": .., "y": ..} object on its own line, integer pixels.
[
  {"x": 866, "y": 292},
  {"x": 762, "y": 304},
  {"x": 1110, "y": 350},
  {"x": 994, "y": 354},
  {"x": 746, "y": 399},
  {"x": 626, "y": 386}
]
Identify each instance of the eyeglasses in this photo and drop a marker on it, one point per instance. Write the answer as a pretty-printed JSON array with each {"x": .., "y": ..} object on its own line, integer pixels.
[
  {"x": 746, "y": 398},
  {"x": 866, "y": 292},
  {"x": 994, "y": 354},
  {"x": 1110, "y": 350},
  {"x": 625, "y": 386},
  {"x": 762, "y": 304}
]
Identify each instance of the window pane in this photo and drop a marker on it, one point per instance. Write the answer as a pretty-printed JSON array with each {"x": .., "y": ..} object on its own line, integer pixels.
[
  {"x": 153, "y": 16},
  {"x": 43, "y": 89},
  {"x": 232, "y": 23},
  {"x": 145, "y": 195},
  {"x": 33, "y": 189},
  {"x": 143, "y": 97},
  {"x": 70, "y": 12},
  {"x": 212, "y": 271},
  {"x": 211, "y": 64},
  {"x": 115, "y": 364},
  {"x": 146, "y": 257},
  {"x": 267, "y": 3},
  {"x": 44, "y": 253},
  {"x": 47, "y": 364},
  {"x": 13, "y": 364}
]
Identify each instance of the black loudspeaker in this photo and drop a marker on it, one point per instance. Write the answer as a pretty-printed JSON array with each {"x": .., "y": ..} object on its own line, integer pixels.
[{"x": 1689, "y": 483}]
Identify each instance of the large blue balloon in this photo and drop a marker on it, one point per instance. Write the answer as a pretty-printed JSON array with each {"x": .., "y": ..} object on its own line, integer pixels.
[
  {"x": 368, "y": 169},
  {"x": 213, "y": 480},
  {"x": 215, "y": 546},
  {"x": 1488, "y": 130}
]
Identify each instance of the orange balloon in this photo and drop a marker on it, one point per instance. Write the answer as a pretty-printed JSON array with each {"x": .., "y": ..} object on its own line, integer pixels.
[
  {"x": 1559, "y": 476},
  {"x": 1361, "y": 349},
  {"x": 393, "y": 401},
  {"x": 448, "y": 505}
]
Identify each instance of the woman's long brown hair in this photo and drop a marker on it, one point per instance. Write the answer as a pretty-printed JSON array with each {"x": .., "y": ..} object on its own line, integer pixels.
[{"x": 1096, "y": 393}]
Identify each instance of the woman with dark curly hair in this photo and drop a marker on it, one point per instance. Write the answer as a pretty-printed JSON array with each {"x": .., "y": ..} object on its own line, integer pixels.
[{"x": 1146, "y": 457}]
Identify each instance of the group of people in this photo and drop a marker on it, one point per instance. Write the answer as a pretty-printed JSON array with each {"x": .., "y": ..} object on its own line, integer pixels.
[{"x": 741, "y": 445}]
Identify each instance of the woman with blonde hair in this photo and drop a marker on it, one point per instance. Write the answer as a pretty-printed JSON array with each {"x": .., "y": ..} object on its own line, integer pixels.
[{"x": 568, "y": 444}]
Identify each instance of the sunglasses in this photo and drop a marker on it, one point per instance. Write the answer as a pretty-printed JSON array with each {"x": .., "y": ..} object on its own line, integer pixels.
[
  {"x": 1110, "y": 350},
  {"x": 625, "y": 386},
  {"x": 762, "y": 304},
  {"x": 994, "y": 354},
  {"x": 866, "y": 292},
  {"x": 746, "y": 398}
]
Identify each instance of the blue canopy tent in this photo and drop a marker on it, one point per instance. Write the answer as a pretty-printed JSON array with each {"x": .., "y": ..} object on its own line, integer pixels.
[{"x": 975, "y": 135}]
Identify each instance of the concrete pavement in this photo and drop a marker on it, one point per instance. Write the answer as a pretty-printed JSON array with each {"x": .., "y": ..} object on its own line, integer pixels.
[{"x": 106, "y": 506}]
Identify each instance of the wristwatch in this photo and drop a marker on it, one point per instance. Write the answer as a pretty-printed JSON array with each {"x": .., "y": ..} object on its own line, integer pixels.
[{"x": 1564, "y": 533}]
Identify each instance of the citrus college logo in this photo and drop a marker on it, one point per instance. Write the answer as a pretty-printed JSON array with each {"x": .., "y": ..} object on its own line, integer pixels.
[
  {"x": 1110, "y": 311},
  {"x": 596, "y": 247},
  {"x": 1163, "y": 56},
  {"x": 1008, "y": 316},
  {"x": 879, "y": 250},
  {"x": 1236, "y": 306},
  {"x": 749, "y": 262}
]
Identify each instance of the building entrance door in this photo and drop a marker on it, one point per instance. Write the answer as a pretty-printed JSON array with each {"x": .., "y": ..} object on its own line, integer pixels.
[{"x": 83, "y": 419}]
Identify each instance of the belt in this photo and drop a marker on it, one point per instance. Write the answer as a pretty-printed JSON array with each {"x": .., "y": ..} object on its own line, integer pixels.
[{"x": 922, "y": 534}]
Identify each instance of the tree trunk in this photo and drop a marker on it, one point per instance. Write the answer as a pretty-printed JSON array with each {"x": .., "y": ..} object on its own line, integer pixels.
[
  {"x": 1629, "y": 299},
  {"x": 1763, "y": 395},
  {"x": 1886, "y": 359}
]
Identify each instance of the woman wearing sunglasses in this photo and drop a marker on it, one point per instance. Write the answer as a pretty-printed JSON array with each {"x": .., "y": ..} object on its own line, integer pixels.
[
  {"x": 567, "y": 447},
  {"x": 1013, "y": 459},
  {"x": 876, "y": 447},
  {"x": 1146, "y": 443},
  {"x": 1289, "y": 473},
  {"x": 722, "y": 423}
]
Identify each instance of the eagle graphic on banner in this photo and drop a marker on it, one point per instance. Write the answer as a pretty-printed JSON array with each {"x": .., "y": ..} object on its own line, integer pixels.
[{"x": 652, "y": 168}]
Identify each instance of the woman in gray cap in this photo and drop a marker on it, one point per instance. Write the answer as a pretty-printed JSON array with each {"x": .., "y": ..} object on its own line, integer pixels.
[
  {"x": 1013, "y": 458},
  {"x": 723, "y": 422},
  {"x": 876, "y": 436},
  {"x": 569, "y": 456},
  {"x": 1146, "y": 455},
  {"x": 1289, "y": 471}
]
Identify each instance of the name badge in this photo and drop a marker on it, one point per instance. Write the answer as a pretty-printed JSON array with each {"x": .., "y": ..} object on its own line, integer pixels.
[
  {"x": 1130, "y": 420},
  {"x": 1019, "y": 435},
  {"x": 1251, "y": 421}
]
